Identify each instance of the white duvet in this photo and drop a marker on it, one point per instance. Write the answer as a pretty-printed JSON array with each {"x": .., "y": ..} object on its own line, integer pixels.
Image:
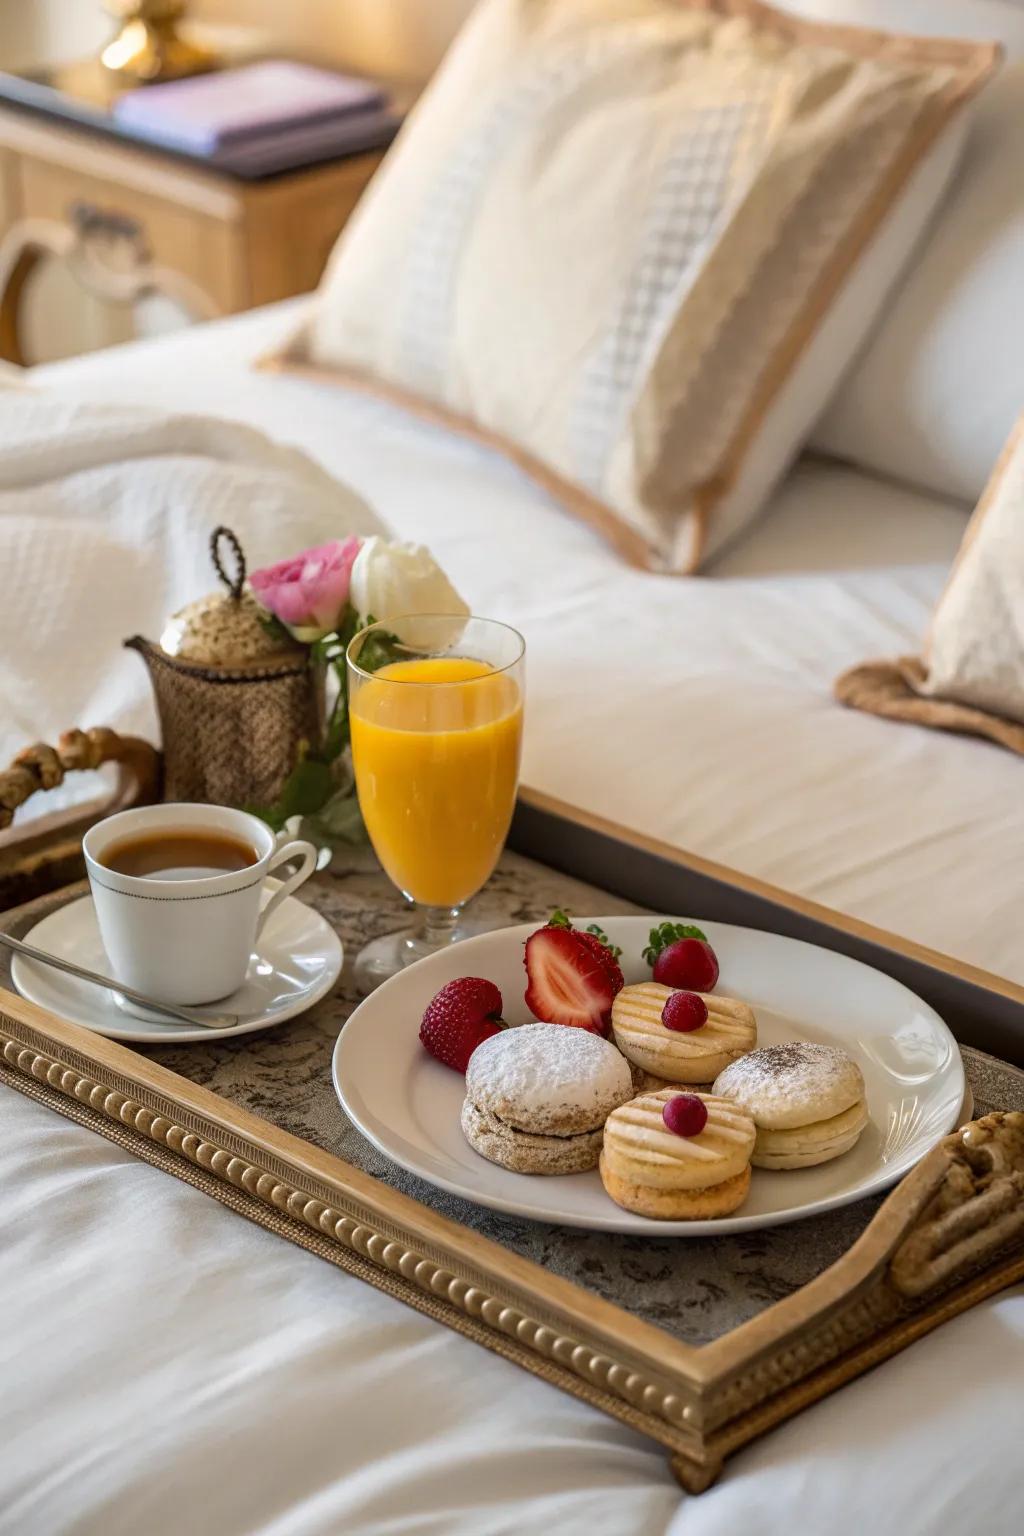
[
  {"x": 168, "y": 1368},
  {"x": 106, "y": 513}
]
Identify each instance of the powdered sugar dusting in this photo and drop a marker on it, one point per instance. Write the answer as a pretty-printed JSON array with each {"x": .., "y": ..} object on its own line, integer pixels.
[
  {"x": 793, "y": 1084},
  {"x": 548, "y": 1077}
]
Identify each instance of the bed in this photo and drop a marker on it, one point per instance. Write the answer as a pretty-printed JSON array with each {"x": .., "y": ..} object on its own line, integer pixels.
[
  {"x": 698, "y": 710},
  {"x": 756, "y": 766},
  {"x": 217, "y": 1381}
]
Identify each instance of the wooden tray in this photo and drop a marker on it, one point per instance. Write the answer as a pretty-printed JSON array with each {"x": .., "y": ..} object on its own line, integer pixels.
[{"x": 951, "y": 1234}]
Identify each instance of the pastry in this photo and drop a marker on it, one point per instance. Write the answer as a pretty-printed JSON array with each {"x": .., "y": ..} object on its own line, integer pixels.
[
  {"x": 646, "y": 1082},
  {"x": 806, "y": 1100},
  {"x": 537, "y": 1097},
  {"x": 678, "y": 1157},
  {"x": 689, "y": 1049}
]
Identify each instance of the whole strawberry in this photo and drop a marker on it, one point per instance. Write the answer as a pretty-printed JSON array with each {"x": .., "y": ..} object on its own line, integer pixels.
[
  {"x": 464, "y": 1014},
  {"x": 680, "y": 956}
]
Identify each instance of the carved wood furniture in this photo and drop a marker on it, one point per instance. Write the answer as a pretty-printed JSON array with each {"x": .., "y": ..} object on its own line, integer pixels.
[{"x": 132, "y": 221}]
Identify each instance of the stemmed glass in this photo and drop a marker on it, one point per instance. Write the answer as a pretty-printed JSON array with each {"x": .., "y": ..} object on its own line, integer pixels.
[{"x": 436, "y": 717}]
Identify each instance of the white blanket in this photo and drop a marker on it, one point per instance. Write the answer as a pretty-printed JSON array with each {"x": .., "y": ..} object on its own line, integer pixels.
[
  {"x": 167, "y": 1367},
  {"x": 105, "y": 520}
]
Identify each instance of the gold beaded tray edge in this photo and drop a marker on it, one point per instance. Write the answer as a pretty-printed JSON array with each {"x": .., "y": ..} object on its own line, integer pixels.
[{"x": 951, "y": 1234}]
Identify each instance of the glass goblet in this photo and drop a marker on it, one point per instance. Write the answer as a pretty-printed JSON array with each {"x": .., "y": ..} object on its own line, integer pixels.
[{"x": 436, "y": 717}]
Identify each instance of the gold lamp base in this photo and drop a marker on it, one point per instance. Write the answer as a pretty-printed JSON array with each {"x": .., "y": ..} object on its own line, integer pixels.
[{"x": 148, "y": 46}]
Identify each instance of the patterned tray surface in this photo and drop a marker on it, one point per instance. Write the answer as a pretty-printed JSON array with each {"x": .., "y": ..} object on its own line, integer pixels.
[{"x": 696, "y": 1290}]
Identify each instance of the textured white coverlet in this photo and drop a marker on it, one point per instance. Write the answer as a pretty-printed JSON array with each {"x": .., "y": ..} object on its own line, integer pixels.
[
  {"x": 105, "y": 517},
  {"x": 696, "y": 710},
  {"x": 168, "y": 1367}
]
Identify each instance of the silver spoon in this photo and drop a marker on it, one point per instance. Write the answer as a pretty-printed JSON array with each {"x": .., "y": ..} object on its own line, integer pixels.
[{"x": 172, "y": 1010}]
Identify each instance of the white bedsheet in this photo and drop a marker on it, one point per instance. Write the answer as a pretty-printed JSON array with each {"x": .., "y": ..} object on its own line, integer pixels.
[
  {"x": 696, "y": 710},
  {"x": 167, "y": 1367}
]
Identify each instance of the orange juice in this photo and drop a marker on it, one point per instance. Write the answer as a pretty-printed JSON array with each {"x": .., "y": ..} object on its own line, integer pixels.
[{"x": 435, "y": 744}]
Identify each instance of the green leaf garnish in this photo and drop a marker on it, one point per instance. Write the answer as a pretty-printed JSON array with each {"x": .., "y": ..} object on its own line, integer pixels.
[
  {"x": 338, "y": 821},
  {"x": 380, "y": 650},
  {"x": 273, "y": 627},
  {"x": 614, "y": 950},
  {"x": 560, "y": 919},
  {"x": 669, "y": 933}
]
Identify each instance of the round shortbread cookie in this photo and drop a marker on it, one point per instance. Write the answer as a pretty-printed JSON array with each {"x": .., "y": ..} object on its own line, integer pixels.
[
  {"x": 676, "y": 1204},
  {"x": 524, "y": 1152},
  {"x": 804, "y": 1146},
  {"x": 639, "y": 1148},
  {"x": 548, "y": 1079},
  {"x": 799, "y": 1083},
  {"x": 680, "y": 1056}
]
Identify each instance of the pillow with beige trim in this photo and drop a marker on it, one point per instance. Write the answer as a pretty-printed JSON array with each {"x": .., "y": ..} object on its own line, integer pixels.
[
  {"x": 971, "y": 676},
  {"x": 634, "y": 244}
]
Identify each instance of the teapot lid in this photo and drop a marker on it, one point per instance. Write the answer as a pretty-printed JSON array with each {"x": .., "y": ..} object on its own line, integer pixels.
[{"x": 225, "y": 628}]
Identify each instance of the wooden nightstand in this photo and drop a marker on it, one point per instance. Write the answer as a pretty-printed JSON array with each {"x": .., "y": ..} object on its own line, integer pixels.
[{"x": 131, "y": 220}]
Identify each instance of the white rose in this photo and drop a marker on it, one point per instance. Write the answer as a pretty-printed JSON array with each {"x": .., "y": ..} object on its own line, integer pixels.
[{"x": 391, "y": 579}]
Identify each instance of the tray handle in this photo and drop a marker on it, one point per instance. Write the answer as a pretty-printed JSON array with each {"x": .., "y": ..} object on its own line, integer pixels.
[
  {"x": 46, "y": 851},
  {"x": 976, "y": 1210}
]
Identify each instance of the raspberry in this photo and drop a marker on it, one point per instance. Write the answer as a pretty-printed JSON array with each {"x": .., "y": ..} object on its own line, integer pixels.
[
  {"x": 685, "y": 1115},
  {"x": 684, "y": 1011}
]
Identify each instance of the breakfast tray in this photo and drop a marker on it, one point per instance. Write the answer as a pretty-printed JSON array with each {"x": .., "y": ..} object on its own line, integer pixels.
[{"x": 702, "y": 1345}]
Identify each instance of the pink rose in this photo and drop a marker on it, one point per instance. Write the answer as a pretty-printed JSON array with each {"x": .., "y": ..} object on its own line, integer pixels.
[{"x": 309, "y": 592}]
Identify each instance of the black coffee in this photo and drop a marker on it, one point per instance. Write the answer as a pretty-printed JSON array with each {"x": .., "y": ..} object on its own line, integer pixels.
[{"x": 189, "y": 854}]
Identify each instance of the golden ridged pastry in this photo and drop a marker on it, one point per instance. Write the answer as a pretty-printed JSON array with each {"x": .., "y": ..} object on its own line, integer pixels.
[
  {"x": 651, "y": 1170},
  {"x": 677, "y": 1204},
  {"x": 681, "y": 1056}
]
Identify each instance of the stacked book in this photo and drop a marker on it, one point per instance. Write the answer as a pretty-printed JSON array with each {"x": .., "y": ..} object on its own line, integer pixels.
[{"x": 261, "y": 118}]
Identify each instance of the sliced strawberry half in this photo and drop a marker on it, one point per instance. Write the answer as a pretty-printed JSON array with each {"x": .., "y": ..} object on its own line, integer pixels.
[
  {"x": 599, "y": 949},
  {"x": 568, "y": 981}
]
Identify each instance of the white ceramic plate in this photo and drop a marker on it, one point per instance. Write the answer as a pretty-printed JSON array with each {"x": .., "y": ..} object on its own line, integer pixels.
[
  {"x": 408, "y": 1104},
  {"x": 299, "y": 961}
]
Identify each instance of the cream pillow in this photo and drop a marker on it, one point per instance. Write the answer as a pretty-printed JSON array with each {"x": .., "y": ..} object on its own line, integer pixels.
[
  {"x": 613, "y": 241},
  {"x": 975, "y": 651},
  {"x": 971, "y": 677},
  {"x": 902, "y": 409}
]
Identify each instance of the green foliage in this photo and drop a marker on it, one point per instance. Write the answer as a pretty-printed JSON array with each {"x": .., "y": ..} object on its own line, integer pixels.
[
  {"x": 274, "y": 628},
  {"x": 339, "y": 821},
  {"x": 560, "y": 919},
  {"x": 305, "y": 791},
  {"x": 320, "y": 788},
  {"x": 614, "y": 950},
  {"x": 380, "y": 650},
  {"x": 669, "y": 933}
]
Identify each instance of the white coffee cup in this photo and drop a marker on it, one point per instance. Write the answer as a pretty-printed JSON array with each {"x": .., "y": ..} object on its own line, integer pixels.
[{"x": 187, "y": 939}]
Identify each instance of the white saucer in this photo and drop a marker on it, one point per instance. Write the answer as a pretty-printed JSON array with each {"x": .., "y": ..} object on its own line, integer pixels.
[
  {"x": 299, "y": 961},
  {"x": 407, "y": 1104}
]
